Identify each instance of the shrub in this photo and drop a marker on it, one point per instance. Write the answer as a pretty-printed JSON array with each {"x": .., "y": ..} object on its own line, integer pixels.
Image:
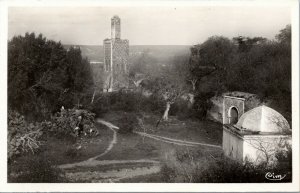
[
  {"x": 225, "y": 170},
  {"x": 181, "y": 110},
  {"x": 26, "y": 137},
  {"x": 65, "y": 121},
  {"x": 37, "y": 169},
  {"x": 153, "y": 104},
  {"x": 43, "y": 75},
  {"x": 127, "y": 123},
  {"x": 100, "y": 106},
  {"x": 202, "y": 104},
  {"x": 168, "y": 174},
  {"x": 212, "y": 167},
  {"x": 72, "y": 152},
  {"x": 22, "y": 136},
  {"x": 127, "y": 102}
]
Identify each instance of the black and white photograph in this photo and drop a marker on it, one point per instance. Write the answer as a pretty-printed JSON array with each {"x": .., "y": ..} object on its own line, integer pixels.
[{"x": 138, "y": 93}]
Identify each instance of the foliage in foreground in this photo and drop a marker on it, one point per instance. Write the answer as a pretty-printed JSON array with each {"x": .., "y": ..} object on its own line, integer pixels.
[
  {"x": 210, "y": 167},
  {"x": 26, "y": 137},
  {"x": 22, "y": 137},
  {"x": 65, "y": 121},
  {"x": 127, "y": 123},
  {"x": 127, "y": 102},
  {"x": 36, "y": 169}
]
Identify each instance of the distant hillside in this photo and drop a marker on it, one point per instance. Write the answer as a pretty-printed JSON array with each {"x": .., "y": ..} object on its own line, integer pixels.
[
  {"x": 93, "y": 53},
  {"x": 160, "y": 52}
]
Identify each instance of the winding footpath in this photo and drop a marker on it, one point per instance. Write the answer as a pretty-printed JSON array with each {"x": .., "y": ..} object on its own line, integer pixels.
[
  {"x": 176, "y": 141},
  {"x": 86, "y": 175},
  {"x": 113, "y": 141},
  {"x": 88, "y": 169}
]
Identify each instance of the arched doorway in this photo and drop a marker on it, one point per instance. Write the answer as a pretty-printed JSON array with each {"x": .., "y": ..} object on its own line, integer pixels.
[
  {"x": 237, "y": 105},
  {"x": 233, "y": 115}
]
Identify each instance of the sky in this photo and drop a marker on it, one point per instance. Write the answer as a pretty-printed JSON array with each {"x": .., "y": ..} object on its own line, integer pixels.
[{"x": 165, "y": 25}]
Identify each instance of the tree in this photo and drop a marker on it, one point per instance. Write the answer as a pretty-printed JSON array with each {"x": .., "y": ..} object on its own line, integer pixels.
[
  {"x": 212, "y": 56},
  {"x": 42, "y": 75},
  {"x": 285, "y": 35},
  {"x": 255, "y": 65},
  {"x": 246, "y": 43},
  {"x": 98, "y": 82},
  {"x": 143, "y": 66},
  {"x": 36, "y": 77},
  {"x": 168, "y": 86}
]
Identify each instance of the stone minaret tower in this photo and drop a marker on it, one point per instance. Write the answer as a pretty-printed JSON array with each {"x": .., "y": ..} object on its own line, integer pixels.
[
  {"x": 116, "y": 58},
  {"x": 115, "y": 27}
]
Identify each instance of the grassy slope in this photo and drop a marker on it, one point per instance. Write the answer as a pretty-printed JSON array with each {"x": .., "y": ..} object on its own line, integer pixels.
[{"x": 130, "y": 146}]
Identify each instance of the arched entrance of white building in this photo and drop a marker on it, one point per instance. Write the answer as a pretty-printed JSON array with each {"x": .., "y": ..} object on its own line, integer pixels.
[
  {"x": 233, "y": 115},
  {"x": 233, "y": 108}
]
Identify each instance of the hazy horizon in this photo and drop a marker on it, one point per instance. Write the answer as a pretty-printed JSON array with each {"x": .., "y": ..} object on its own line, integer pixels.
[
  {"x": 148, "y": 25},
  {"x": 129, "y": 42}
]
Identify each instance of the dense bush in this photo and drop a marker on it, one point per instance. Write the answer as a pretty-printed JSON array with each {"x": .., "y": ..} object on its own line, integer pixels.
[
  {"x": 72, "y": 152},
  {"x": 226, "y": 170},
  {"x": 26, "y": 137},
  {"x": 43, "y": 76},
  {"x": 182, "y": 110},
  {"x": 127, "y": 123},
  {"x": 254, "y": 65},
  {"x": 127, "y": 102},
  {"x": 37, "y": 169},
  {"x": 65, "y": 121},
  {"x": 153, "y": 104},
  {"x": 101, "y": 105},
  {"x": 202, "y": 104},
  {"x": 22, "y": 136},
  {"x": 198, "y": 167}
]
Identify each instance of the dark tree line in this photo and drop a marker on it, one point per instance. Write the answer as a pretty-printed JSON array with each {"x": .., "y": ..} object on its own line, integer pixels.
[
  {"x": 255, "y": 65},
  {"x": 43, "y": 76}
]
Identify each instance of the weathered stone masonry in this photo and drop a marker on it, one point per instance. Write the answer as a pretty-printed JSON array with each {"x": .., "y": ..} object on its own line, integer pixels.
[{"x": 116, "y": 58}]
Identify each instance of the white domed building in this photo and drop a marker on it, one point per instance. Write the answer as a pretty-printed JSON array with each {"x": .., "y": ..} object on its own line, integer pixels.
[{"x": 257, "y": 136}]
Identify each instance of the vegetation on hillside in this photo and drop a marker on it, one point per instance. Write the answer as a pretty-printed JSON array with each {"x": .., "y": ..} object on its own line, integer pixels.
[
  {"x": 43, "y": 76},
  {"x": 45, "y": 83},
  {"x": 53, "y": 93},
  {"x": 207, "y": 166},
  {"x": 255, "y": 65}
]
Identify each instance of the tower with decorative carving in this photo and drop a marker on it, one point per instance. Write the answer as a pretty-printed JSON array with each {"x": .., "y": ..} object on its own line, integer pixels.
[{"x": 116, "y": 58}]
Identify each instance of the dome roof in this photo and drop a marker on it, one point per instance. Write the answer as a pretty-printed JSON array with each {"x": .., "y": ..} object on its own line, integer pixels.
[{"x": 263, "y": 119}]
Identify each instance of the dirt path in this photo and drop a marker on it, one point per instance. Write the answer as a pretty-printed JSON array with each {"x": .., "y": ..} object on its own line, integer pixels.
[
  {"x": 85, "y": 170},
  {"x": 93, "y": 163},
  {"x": 111, "y": 175},
  {"x": 86, "y": 174},
  {"x": 108, "y": 124},
  {"x": 113, "y": 141},
  {"x": 176, "y": 141},
  {"x": 156, "y": 137},
  {"x": 162, "y": 140}
]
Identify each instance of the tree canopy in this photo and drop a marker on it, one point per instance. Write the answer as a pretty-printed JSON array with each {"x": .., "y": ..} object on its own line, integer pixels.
[
  {"x": 255, "y": 65},
  {"x": 42, "y": 74}
]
